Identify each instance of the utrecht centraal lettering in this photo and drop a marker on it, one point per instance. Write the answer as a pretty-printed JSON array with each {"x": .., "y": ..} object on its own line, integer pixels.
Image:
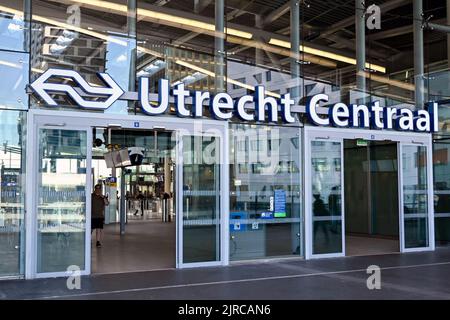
[
  {"x": 221, "y": 105},
  {"x": 257, "y": 107},
  {"x": 374, "y": 116}
]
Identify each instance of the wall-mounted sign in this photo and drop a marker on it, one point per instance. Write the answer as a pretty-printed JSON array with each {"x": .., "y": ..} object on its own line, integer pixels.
[
  {"x": 256, "y": 107},
  {"x": 280, "y": 203},
  {"x": 374, "y": 116}
]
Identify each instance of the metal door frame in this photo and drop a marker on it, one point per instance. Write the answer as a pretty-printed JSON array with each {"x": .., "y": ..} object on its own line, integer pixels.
[
  {"x": 339, "y": 134},
  {"x": 74, "y": 120}
]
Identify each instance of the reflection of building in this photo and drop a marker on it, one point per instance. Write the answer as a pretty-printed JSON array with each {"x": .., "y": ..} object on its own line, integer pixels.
[{"x": 54, "y": 47}]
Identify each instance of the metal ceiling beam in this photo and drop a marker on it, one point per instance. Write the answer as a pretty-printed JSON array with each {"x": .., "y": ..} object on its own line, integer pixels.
[
  {"x": 438, "y": 27},
  {"x": 277, "y": 13},
  {"x": 230, "y": 16},
  {"x": 351, "y": 44},
  {"x": 344, "y": 23},
  {"x": 399, "y": 31},
  {"x": 200, "y": 5}
]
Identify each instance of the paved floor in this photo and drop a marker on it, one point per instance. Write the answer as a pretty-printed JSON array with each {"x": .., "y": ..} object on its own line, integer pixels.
[
  {"x": 408, "y": 276},
  {"x": 146, "y": 245}
]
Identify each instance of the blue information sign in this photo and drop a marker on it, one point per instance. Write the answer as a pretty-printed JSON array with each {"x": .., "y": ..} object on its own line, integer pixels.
[{"x": 280, "y": 204}]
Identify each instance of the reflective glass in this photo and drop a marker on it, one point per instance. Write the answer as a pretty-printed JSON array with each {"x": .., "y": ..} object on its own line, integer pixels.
[
  {"x": 441, "y": 171},
  {"x": 201, "y": 199},
  {"x": 12, "y": 192},
  {"x": 265, "y": 192},
  {"x": 415, "y": 196},
  {"x": 326, "y": 201},
  {"x": 14, "y": 30},
  {"x": 14, "y": 71},
  {"x": 61, "y": 207},
  {"x": 85, "y": 36}
]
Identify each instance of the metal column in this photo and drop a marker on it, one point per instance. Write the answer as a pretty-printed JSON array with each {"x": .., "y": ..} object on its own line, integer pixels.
[
  {"x": 132, "y": 34},
  {"x": 220, "y": 46},
  {"x": 122, "y": 207},
  {"x": 360, "y": 45},
  {"x": 295, "y": 47},
  {"x": 448, "y": 34},
  {"x": 418, "y": 53}
]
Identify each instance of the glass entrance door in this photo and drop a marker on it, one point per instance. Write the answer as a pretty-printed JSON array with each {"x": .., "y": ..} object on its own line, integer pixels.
[
  {"x": 199, "y": 189},
  {"x": 324, "y": 189},
  {"x": 324, "y": 197},
  {"x": 416, "y": 197},
  {"x": 63, "y": 200}
]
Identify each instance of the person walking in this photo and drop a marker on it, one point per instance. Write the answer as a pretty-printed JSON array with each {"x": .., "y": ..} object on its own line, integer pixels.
[{"x": 98, "y": 204}]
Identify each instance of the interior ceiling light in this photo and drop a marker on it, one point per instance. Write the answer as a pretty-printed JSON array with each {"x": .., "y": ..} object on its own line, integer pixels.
[
  {"x": 325, "y": 54},
  {"x": 164, "y": 18},
  {"x": 180, "y": 22},
  {"x": 212, "y": 74}
]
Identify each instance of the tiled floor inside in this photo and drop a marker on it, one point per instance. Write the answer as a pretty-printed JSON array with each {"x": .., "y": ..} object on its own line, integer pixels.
[
  {"x": 146, "y": 245},
  {"x": 360, "y": 245}
]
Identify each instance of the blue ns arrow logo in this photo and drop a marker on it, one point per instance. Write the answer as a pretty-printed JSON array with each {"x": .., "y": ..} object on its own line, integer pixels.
[{"x": 41, "y": 87}]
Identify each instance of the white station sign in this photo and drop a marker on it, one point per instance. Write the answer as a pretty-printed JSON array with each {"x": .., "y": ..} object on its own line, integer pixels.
[{"x": 256, "y": 107}]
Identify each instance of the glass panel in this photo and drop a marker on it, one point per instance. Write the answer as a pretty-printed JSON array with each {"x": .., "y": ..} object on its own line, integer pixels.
[
  {"x": 201, "y": 199},
  {"x": 85, "y": 36},
  {"x": 12, "y": 192},
  {"x": 265, "y": 192},
  {"x": 441, "y": 170},
  {"x": 14, "y": 71},
  {"x": 176, "y": 41},
  {"x": 326, "y": 171},
  {"x": 13, "y": 27},
  {"x": 415, "y": 196},
  {"x": 61, "y": 220}
]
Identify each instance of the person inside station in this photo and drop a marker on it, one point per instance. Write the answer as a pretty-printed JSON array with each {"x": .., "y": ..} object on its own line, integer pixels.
[
  {"x": 98, "y": 204},
  {"x": 139, "y": 203}
]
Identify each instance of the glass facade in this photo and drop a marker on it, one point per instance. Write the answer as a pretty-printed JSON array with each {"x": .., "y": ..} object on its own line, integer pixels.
[
  {"x": 441, "y": 177},
  {"x": 12, "y": 192},
  {"x": 394, "y": 52}
]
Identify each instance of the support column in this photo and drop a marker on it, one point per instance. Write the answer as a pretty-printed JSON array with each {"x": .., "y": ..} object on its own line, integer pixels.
[
  {"x": 166, "y": 211},
  {"x": 418, "y": 53},
  {"x": 295, "y": 48},
  {"x": 110, "y": 210},
  {"x": 122, "y": 206},
  {"x": 219, "y": 46},
  {"x": 132, "y": 34},
  {"x": 258, "y": 51},
  {"x": 360, "y": 45},
  {"x": 448, "y": 34}
]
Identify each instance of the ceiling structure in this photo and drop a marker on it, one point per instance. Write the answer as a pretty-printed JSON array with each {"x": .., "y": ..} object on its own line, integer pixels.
[{"x": 258, "y": 32}]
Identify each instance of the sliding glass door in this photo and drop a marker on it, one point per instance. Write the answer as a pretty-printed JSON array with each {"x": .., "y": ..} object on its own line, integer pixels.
[
  {"x": 200, "y": 197},
  {"x": 63, "y": 200},
  {"x": 324, "y": 197},
  {"x": 416, "y": 197}
]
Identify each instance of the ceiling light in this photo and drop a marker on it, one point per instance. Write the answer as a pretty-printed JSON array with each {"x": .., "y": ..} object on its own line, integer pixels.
[
  {"x": 164, "y": 18},
  {"x": 325, "y": 54}
]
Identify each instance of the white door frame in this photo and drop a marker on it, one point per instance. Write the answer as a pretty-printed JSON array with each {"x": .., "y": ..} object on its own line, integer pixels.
[
  {"x": 339, "y": 134},
  {"x": 309, "y": 136},
  {"x": 85, "y": 121},
  {"x": 223, "y": 234},
  {"x": 430, "y": 195}
]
